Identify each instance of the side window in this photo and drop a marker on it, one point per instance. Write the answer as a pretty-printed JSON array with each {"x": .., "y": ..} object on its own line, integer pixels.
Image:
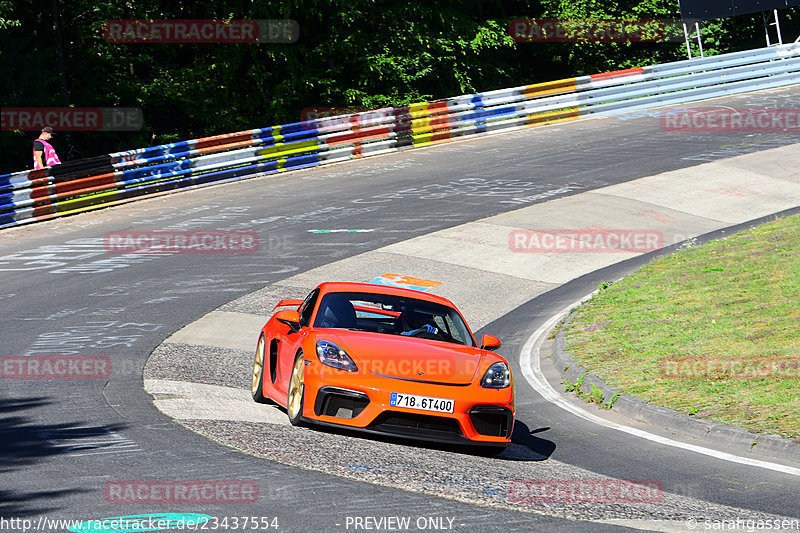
[
  {"x": 307, "y": 307},
  {"x": 455, "y": 332}
]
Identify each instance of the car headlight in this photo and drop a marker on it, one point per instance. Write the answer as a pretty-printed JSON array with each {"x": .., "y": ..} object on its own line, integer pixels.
[
  {"x": 330, "y": 354},
  {"x": 497, "y": 376}
]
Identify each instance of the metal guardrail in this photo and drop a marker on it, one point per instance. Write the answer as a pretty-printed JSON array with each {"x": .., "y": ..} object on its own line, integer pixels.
[{"x": 85, "y": 184}]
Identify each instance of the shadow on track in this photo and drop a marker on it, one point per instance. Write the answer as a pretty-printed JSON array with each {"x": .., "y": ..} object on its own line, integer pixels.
[
  {"x": 525, "y": 446},
  {"x": 26, "y": 443}
]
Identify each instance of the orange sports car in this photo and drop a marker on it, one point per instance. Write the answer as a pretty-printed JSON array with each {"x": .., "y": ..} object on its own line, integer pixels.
[{"x": 385, "y": 360}]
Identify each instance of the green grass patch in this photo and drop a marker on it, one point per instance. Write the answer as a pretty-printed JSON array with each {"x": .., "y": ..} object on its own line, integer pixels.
[{"x": 727, "y": 304}]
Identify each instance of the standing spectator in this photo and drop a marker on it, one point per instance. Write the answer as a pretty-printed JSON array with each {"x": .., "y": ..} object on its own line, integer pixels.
[{"x": 44, "y": 155}]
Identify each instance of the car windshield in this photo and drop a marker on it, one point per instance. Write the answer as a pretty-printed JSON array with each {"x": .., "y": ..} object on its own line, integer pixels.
[{"x": 393, "y": 315}]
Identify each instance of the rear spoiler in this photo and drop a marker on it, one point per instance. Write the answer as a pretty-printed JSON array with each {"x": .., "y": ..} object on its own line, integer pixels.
[{"x": 288, "y": 302}]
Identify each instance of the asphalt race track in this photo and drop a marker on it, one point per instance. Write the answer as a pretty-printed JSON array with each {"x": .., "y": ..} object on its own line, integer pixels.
[{"x": 66, "y": 441}]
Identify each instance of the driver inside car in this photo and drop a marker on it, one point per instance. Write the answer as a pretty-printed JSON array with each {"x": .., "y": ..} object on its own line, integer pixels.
[{"x": 416, "y": 324}]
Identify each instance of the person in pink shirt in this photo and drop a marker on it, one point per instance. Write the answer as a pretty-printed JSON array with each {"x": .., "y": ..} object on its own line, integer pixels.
[{"x": 44, "y": 155}]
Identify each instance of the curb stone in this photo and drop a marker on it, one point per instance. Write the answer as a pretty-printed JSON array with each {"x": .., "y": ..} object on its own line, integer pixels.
[{"x": 636, "y": 408}]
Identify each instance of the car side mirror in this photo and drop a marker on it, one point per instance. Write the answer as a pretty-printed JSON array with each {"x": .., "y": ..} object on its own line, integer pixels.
[
  {"x": 490, "y": 342},
  {"x": 289, "y": 317}
]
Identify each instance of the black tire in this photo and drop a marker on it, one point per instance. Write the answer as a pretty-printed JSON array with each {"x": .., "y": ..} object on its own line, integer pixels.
[
  {"x": 295, "y": 393},
  {"x": 257, "y": 384}
]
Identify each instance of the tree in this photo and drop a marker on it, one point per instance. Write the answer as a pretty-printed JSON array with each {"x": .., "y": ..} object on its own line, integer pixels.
[{"x": 357, "y": 53}]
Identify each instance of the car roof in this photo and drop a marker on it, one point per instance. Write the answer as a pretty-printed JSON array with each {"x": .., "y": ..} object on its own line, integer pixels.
[{"x": 347, "y": 286}]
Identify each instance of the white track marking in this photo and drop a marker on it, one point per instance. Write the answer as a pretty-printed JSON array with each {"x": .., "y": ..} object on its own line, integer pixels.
[{"x": 531, "y": 369}]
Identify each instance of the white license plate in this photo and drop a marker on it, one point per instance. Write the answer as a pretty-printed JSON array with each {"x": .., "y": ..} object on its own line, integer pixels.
[{"x": 423, "y": 403}]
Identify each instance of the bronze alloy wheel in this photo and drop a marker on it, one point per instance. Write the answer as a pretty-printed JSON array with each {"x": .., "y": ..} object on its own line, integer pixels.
[
  {"x": 294, "y": 401},
  {"x": 258, "y": 371}
]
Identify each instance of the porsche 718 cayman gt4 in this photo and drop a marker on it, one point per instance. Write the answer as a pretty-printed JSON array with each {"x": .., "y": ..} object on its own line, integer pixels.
[{"x": 384, "y": 360}]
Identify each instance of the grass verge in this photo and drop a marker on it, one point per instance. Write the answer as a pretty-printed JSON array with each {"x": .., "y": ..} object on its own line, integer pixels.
[{"x": 712, "y": 331}]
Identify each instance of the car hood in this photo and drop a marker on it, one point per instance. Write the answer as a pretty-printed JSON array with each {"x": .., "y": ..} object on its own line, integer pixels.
[{"x": 410, "y": 358}]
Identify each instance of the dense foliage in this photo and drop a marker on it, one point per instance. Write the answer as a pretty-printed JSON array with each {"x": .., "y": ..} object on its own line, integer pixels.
[{"x": 356, "y": 53}]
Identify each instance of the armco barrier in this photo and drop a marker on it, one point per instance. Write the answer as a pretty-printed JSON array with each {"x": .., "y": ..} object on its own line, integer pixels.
[{"x": 85, "y": 184}]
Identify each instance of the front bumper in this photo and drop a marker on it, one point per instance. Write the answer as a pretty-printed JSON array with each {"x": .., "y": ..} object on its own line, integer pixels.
[{"x": 358, "y": 401}]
